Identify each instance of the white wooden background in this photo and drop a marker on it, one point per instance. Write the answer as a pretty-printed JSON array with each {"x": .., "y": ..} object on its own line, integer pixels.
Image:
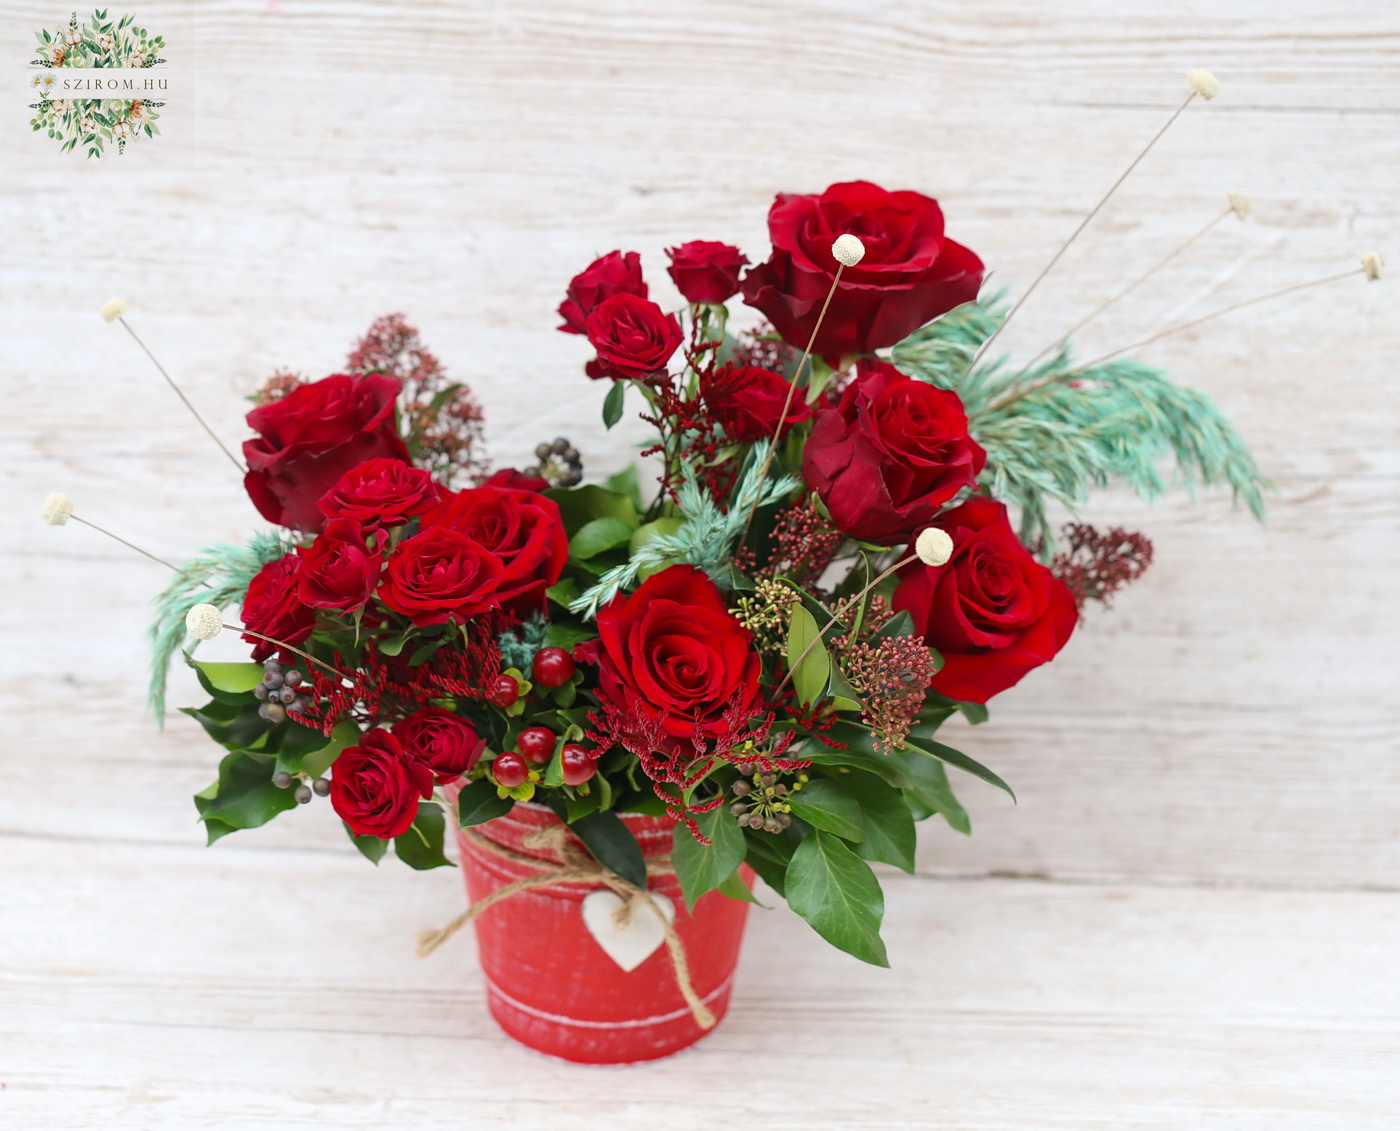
[{"x": 1192, "y": 918}]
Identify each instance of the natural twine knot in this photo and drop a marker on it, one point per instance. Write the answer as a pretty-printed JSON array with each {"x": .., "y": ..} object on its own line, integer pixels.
[{"x": 575, "y": 867}]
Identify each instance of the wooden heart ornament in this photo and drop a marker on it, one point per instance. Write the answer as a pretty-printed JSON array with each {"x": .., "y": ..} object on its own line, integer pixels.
[{"x": 632, "y": 943}]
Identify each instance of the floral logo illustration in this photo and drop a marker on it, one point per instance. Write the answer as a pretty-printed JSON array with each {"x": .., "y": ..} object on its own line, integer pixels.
[{"x": 96, "y": 44}]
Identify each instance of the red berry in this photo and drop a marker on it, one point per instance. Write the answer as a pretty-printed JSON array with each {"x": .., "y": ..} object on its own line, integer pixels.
[
  {"x": 510, "y": 769},
  {"x": 553, "y": 667},
  {"x": 503, "y": 691},
  {"x": 579, "y": 764},
  {"x": 536, "y": 744}
]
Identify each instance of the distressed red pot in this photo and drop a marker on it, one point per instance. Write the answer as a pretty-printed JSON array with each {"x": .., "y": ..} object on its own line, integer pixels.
[{"x": 551, "y": 986}]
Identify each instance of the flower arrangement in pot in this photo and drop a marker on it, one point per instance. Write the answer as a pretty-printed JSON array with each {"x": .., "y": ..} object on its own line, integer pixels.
[{"x": 627, "y": 700}]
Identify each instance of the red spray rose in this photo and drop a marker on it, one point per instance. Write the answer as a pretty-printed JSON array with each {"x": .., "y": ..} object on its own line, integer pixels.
[
  {"x": 672, "y": 651},
  {"x": 376, "y": 786},
  {"x": 272, "y": 607},
  {"x": 380, "y": 493},
  {"x": 443, "y": 741},
  {"x": 889, "y": 454},
  {"x": 992, "y": 610},
  {"x": 910, "y": 273},
  {"x": 748, "y": 401},
  {"x": 339, "y": 570},
  {"x": 616, "y": 273},
  {"x": 522, "y": 528},
  {"x": 441, "y": 575},
  {"x": 634, "y": 338},
  {"x": 314, "y": 435},
  {"x": 706, "y": 271},
  {"x": 519, "y": 480}
]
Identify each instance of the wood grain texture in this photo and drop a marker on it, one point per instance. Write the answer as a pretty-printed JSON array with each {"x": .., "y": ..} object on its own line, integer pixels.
[{"x": 1231, "y": 723}]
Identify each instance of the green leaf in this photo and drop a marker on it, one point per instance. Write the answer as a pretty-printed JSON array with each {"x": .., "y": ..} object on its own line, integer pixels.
[
  {"x": 843, "y": 696},
  {"x": 561, "y": 634},
  {"x": 931, "y": 792},
  {"x": 317, "y": 762},
  {"x": 735, "y": 888},
  {"x": 237, "y": 679},
  {"x": 703, "y": 868},
  {"x": 371, "y": 847},
  {"x": 837, "y": 893},
  {"x": 824, "y": 804},
  {"x": 612, "y": 404},
  {"x": 599, "y": 535},
  {"x": 479, "y": 803},
  {"x": 230, "y": 725},
  {"x": 613, "y": 845},
  {"x": 625, "y": 483},
  {"x": 421, "y": 847},
  {"x": 975, "y": 713},
  {"x": 889, "y": 825},
  {"x": 858, "y": 753},
  {"x": 393, "y": 645},
  {"x": 580, "y": 505},
  {"x": 901, "y": 624},
  {"x": 962, "y": 761},
  {"x": 243, "y": 797},
  {"x": 810, "y": 673},
  {"x": 565, "y": 591}
]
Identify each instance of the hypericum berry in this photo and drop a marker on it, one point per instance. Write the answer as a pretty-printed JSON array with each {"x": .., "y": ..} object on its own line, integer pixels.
[
  {"x": 536, "y": 744},
  {"x": 322, "y": 786},
  {"x": 510, "y": 769},
  {"x": 553, "y": 667},
  {"x": 579, "y": 764},
  {"x": 503, "y": 691},
  {"x": 281, "y": 779},
  {"x": 303, "y": 794}
]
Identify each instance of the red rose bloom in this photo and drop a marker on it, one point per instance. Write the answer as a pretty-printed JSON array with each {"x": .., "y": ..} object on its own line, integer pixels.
[
  {"x": 376, "y": 786},
  {"x": 441, "y": 575},
  {"x": 992, "y": 610},
  {"x": 272, "y": 607},
  {"x": 889, "y": 454},
  {"x": 748, "y": 401},
  {"x": 314, "y": 435},
  {"x": 673, "y": 652},
  {"x": 339, "y": 570},
  {"x": 616, "y": 273},
  {"x": 518, "y": 480},
  {"x": 443, "y": 741},
  {"x": 634, "y": 338},
  {"x": 380, "y": 493},
  {"x": 910, "y": 273},
  {"x": 521, "y": 528},
  {"x": 705, "y": 271}
]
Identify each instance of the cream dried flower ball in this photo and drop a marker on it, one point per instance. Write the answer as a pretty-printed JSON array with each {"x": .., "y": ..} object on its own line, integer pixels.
[
  {"x": 58, "y": 509},
  {"x": 204, "y": 622},
  {"x": 848, "y": 250},
  {"x": 113, "y": 310},
  {"x": 1203, "y": 83},
  {"x": 933, "y": 546}
]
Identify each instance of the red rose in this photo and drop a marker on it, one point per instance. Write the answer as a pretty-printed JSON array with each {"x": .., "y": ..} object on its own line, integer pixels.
[
  {"x": 634, "y": 338},
  {"x": 910, "y": 274},
  {"x": 381, "y": 492},
  {"x": 889, "y": 454},
  {"x": 748, "y": 401},
  {"x": 443, "y": 741},
  {"x": 616, "y": 273},
  {"x": 518, "y": 480},
  {"x": 705, "y": 271},
  {"x": 376, "y": 786},
  {"x": 673, "y": 652},
  {"x": 339, "y": 570},
  {"x": 313, "y": 436},
  {"x": 441, "y": 575},
  {"x": 521, "y": 528},
  {"x": 272, "y": 607},
  {"x": 992, "y": 610}
]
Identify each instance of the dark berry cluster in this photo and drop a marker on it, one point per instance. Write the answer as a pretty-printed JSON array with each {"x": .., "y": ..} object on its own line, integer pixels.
[
  {"x": 763, "y": 800},
  {"x": 283, "y": 780},
  {"x": 560, "y": 463},
  {"x": 281, "y": 692}
]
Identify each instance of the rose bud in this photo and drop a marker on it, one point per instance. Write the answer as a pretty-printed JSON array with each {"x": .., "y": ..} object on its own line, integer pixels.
[{"x": 705, "y": 271}]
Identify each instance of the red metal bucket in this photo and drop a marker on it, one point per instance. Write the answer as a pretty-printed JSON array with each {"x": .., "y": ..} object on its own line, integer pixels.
[{"x": 549, "y": 983}]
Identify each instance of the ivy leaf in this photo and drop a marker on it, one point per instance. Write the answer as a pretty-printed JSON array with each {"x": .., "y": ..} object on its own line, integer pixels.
[
  {"x": 962, "y": 761},
  {"x": 703, "y": 868},
  {"x": 613, "y": 845},
  {"x": 599, "y": 535},
  {"x": 824, "y": 804},
  {"x": 931, "y": 792},
  {"x": 421, "y": 847},
  {"x": 735, "y": 888},
  {"x": 371, "y": 847},
  {"x": 243, "y": 797},
  {"x": 811, "y": 672},
  {"x": 837, "y": 893},
  {"x": 479, "y": 803},
  {"x": 889, "y": 824},
  {"x": 612, "y": 404},
  {"x": 229, "y": 725}
]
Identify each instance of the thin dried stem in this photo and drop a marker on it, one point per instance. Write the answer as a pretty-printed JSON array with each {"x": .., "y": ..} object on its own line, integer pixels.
[
  {"x": 128, "y": 545},
  {"x": 193, "y": 411},
  {"x": 1082, "y": 225},
  {"x": 291, "y": 648}
]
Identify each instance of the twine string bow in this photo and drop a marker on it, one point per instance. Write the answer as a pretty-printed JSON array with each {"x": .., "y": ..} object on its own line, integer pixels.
[{"x": 574, "y": 867}]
